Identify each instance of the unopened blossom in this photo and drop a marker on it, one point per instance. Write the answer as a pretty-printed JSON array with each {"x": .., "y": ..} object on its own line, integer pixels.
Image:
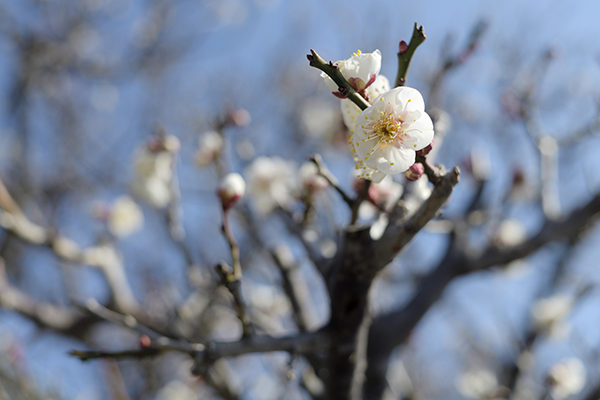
[
  {"x": 125, "y": 217},
  {"x": 270, "y": 182},
  {"x": 415, "y": 172},
  {"x": 566, "y": 378},
  {"x": 309, "y": 179},
  {"x": 210, "y": 146},
  {"x": 511, "y": 232},
  {"x": 360, "y": 70},
  {"x": 231, "y": 190},
  {"x": 388, "y": 134}
]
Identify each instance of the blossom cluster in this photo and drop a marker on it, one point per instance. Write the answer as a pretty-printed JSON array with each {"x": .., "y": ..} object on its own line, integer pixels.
[{"x": 384, "y": 137}]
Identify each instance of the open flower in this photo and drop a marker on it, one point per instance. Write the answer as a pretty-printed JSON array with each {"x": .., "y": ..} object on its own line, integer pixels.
[
  {"x": 360, "y": 70},
  {"x": 388, "y": 134}
]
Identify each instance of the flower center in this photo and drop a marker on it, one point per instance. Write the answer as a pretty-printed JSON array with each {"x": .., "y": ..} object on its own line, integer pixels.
[{"x": 387, "y": 127}]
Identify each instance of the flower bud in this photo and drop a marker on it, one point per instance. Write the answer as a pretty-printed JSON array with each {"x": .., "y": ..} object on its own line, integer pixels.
[
  {"x": 402, "y": 47},
  {"x": 145, "y": 342},
  {"x": 425, "y": 150},
  {"x": 414, "y": 172},
  {"x": 239, "y": 117},
  {"x": 231, "y": 190}
]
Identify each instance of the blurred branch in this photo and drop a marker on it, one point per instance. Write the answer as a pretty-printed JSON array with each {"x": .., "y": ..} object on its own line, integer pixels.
[
  {"x": 392, "y": 329},
  {"x": 324, "y": 172},
  {"x": 60, "y": 318},
  {"x": 453, "y": 61},
  {"x": 406, "y": 53},
  {"x": 234, "y": 286},
  {"x": 293, "y": 286},
  {"x": 335, "y": 74}
]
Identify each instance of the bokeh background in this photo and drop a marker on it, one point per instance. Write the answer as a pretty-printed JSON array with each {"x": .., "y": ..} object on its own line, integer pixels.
[{"x": 83, "y": 85}]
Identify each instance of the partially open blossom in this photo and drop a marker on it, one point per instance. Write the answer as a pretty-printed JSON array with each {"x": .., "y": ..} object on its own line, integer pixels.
[
  {"x": 566, "y": 378},
  {"x": 210, "y": 146},
  {"x": 270, "y": 182},
  {"x": 125, "y": 218},
  {"x": 388, "y": 134},
  {"x": 360, "y": 70},
  {"x": 309, "y": 178},
  {"x": 231, "y": 189},
  {"x": 415, "y": 172}
]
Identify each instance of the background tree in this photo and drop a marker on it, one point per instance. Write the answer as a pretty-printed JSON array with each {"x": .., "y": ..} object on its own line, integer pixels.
[{"x": 124, "y": 240}]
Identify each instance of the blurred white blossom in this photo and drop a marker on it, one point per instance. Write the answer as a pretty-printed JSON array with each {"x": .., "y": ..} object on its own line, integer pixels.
[
  {"x": 309, "y": 179},
  {"x": 125, "y": 218},
  {"x": 566, "y": 378},
  {"x": 511, "y": 232},
  {"x": 549, "y": 314},
  {"x": 154, "y": 170},
  {"x": 177, "y": 390},
  {"x": 270, "y": 182},
  {"x": 210, "y": 146},
  {"x": 477, "y": 384}
]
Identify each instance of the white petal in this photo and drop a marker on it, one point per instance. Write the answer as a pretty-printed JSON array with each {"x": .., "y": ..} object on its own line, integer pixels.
[
  {"x": 379, "y": 87},
  {"x": 350, "y": 113},
  {"x": 405, "y": 98},
  {"x": 418, "y": 134},
  {"x": 392, "y": 160}
]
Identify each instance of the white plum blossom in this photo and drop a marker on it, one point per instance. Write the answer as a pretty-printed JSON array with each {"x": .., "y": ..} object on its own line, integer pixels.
[
  {"x": 153, "y": 177},
  {"x": 549, "y": 314},
  {"x": 388, "y": 134},
  {"x": 125, "y": 218},
  {"x": 210, "y": 146},
  {"x": 270, "y": 182},
  {"x": 350, "y": 111},
  {"x": 360, "y": 70},
  {"x": 477, "y": 383},
  {"x": 231, "y": 189},
  {"x": 567, "y": 378},
  {"x": 309, "y": 179}
]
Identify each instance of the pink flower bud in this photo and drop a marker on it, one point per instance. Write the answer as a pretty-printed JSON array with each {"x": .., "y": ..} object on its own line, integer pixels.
[
  {"x": 144, "y": 342},
  {"x": 231, "y": 190},
  {"x": 425, "y": 150},
  {"x": 402, "y": 47},
  {"x": 239, "y": 117},
  {"x": 414, "y": 172}
]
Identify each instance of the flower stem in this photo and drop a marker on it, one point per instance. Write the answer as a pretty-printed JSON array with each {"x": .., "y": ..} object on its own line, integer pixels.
[{"x": 405, "y": 57}]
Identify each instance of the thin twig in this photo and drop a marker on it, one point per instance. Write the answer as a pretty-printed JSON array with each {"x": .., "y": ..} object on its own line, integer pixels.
[
  {"x": 405, "y": 55},
  {"x": 234, "y": 286}
]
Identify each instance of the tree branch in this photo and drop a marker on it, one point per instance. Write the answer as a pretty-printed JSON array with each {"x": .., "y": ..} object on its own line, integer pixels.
[{"x": 405, "y": 55}]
